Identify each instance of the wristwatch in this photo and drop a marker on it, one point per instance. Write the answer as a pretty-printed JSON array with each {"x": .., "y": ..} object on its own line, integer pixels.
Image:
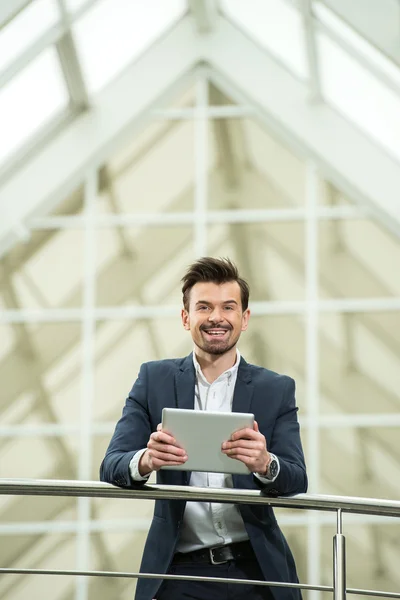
[{"x": 272, "y": 469}]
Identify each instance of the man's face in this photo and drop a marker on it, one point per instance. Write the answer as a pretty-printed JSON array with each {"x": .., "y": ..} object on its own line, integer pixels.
[{"x": 215, "y": 318}]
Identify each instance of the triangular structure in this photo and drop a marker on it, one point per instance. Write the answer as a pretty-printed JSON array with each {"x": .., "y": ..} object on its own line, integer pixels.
[{"x": 208, "y": 141}]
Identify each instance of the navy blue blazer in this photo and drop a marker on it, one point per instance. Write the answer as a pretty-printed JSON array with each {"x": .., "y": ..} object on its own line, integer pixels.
[{"x": 270, "y": 397}]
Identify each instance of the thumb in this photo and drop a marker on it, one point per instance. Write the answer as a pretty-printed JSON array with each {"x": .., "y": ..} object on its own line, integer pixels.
[
  {"x": 255, "y": 426},
  {"x": 159, "y": 427}
]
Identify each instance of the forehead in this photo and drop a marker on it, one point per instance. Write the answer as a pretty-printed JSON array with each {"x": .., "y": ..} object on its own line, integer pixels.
[{"x": 215, "y": 292}]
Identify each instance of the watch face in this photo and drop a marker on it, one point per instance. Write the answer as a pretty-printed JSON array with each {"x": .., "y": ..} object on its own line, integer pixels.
[{"x": 273, "y": 468}]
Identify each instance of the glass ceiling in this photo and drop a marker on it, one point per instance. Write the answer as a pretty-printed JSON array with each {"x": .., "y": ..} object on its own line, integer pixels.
[
  {"x": 108, "y": 35},
  {"x": 357, "y": 75},
  {"x": 357, "y": 47},
  {"x": 376, "y": 20}
]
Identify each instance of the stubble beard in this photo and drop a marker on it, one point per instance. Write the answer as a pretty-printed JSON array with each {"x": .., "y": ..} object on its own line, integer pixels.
[{"x": 217, "y": 350}]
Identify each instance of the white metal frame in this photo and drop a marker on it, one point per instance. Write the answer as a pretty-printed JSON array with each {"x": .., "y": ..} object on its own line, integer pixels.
[{"x": 308, "y": 129}]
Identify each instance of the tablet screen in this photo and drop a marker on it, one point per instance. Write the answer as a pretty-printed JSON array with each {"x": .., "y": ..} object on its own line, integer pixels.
[{"x": 201, "y": 434}]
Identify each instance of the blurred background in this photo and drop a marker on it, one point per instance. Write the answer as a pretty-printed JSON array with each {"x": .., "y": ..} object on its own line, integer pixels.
[{"x": 137, "y": 135}]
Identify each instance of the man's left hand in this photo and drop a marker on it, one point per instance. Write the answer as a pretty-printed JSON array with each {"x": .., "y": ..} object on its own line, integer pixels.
[{"x": 250, "y": 447}]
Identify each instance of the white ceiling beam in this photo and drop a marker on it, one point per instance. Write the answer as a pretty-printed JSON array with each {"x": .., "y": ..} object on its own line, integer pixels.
[
  {"x": 70, "y": 62},
  {"x": 347, "y": 157},
  {"x": 61, "y": 166},
  {"x": 205, "y": 14},
  {"x": 312, "y": 53}
]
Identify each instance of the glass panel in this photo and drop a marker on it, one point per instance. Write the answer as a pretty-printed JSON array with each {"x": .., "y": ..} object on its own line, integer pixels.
[
  {"x": 271, "y": 255},
  {"x": 51, "y": 458},
  {"x": 30, "y": 100},
  {"x": 27, "y": 27},
  {"x": 52, "y": 551},
  {"x": 129, "y": 27},
  {"x": 142, "y": 265},
  {"x": 153, "y": 174},
  {"x": 251, "y": 169},
  {"x": 75, "y": 5},
  {"x": 277, "y": 343},
  {"x": 351, "y": 345},
  {"x": 126, "y": 549},
  {"x": 121, "y": 347},
  {"x": 371, "y": 55},
  {"x": 351, "y": 460},
  {"x": 377, "y": 20},
  {"x": 7, "y": 337},
  {"x": 373, "y": 555},
  {"x": 357, "y": 258},
  {"x": 71, "y": 205},
  {"x": 41, "y": 376},
  {"x": 330, "y": 195},
  {"x": 371, "y": 105},
  {"x": 276, "y": 25},
  {"x": 51, "y": 277}
]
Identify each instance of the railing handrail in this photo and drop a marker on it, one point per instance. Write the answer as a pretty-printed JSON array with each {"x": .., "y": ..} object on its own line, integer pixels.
[{"x": 98, "y": 489}]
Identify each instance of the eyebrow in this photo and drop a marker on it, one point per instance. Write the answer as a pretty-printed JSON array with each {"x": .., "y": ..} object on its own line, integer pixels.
[{"x": 209, "y": 303}]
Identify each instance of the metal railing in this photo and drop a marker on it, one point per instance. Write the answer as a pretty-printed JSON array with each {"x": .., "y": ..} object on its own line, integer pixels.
[{"x": 92, "y": 489}]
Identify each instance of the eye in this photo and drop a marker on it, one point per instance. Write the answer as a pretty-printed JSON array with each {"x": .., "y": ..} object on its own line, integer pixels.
[
  {"x": 203, "y": 307},
  {"x": 228, "y": 307}
]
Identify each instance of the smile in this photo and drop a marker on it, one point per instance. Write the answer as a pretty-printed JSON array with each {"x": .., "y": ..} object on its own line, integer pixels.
[{"x": 216, "y": 332}]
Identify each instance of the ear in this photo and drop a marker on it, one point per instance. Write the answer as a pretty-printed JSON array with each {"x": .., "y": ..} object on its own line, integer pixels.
[
  {"x": 185, "y": 319},
  {"x": 245, "y": 319}
]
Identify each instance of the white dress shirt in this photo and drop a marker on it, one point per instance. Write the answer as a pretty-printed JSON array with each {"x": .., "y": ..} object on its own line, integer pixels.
[{"x": 207, "y": 524}]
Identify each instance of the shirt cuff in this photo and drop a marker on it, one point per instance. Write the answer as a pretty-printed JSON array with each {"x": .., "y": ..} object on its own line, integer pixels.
[
  {"x": 265, "y": 479},
  {"x": 134, "y": 466}
]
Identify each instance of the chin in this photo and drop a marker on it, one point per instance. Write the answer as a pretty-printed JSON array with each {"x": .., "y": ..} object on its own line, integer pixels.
[{"x": 217, "y": 350}]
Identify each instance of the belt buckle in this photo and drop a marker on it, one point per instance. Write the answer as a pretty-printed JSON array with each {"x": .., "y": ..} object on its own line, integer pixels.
[{"x": 213, "y": 561}]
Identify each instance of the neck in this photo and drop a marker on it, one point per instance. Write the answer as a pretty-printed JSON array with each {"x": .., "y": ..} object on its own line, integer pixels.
[{"x": 213, "y": 365}]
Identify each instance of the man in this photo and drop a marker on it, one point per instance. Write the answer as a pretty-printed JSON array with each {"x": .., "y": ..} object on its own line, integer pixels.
[{"x": 189, "y": 538}]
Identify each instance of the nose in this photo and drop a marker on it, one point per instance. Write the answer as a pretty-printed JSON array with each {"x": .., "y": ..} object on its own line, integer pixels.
[{"x": 216, "y": 316}]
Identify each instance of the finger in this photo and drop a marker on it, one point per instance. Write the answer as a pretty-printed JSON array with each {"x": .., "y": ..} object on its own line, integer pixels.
[
  {"x": 235, "y": 452},
  {"x": 159, "y": 427},
  {"x": 255, "y": 426},
  {"x": 158, "y": 464},
  {"x": 163, "y": 437},
  {"x": 246, "y": 433},
  {"x": 256, "y": 444},
  {"x": 166, "y": 448},
  {"x": 170, "y": 439},
  {"x": 165, "y": 458}
]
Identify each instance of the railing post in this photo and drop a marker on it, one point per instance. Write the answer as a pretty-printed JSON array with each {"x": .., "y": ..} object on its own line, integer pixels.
[{"x": 339, "y": 561}]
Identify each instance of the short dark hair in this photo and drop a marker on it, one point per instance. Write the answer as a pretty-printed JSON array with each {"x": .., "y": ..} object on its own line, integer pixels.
[{"x": 213, "y": 270}]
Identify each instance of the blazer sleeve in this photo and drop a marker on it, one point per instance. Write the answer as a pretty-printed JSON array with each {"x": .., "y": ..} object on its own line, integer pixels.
[
  {"x": 285, "y": 443},
  {"x": 131, "y": 434}
]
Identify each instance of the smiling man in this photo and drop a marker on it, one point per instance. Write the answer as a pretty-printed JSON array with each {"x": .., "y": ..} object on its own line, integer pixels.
[{"x": 201, "y": 538}]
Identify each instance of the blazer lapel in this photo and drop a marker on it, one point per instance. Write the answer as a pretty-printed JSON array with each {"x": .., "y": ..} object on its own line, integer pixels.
[
  {"x": 244, "y": 389},
  {"x": 184, "y": 384},
  {"x": 184, "y": 390}
]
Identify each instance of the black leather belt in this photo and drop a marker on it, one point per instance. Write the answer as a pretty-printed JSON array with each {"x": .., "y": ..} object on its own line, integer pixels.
[{"x": 217, "y": 555}]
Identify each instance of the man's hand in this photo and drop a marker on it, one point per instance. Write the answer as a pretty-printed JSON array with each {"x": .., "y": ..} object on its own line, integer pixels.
[
  {"x": 162, "y": 450},
  {"x": 249, "y": 446}
]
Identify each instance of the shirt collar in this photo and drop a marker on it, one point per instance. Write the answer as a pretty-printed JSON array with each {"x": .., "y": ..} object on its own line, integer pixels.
[{"x": 228, "y": 373}]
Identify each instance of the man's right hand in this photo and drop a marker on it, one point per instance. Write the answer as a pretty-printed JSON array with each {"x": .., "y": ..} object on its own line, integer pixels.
[{"x": 162, "y": 450}]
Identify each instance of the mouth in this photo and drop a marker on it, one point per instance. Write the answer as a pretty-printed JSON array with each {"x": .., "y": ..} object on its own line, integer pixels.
[{"x": 216, "y": 333}]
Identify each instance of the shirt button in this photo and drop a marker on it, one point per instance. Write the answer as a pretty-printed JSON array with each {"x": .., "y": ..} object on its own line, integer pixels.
[{"x": 219, "y": 525}]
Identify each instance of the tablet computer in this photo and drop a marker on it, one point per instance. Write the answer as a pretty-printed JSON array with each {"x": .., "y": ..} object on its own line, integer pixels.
[{"x": 201, "y": 433}]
